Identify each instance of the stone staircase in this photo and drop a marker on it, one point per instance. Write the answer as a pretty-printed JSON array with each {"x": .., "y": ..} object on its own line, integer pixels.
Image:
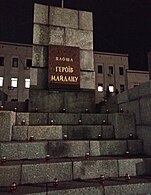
[{"x": 72, "y": 153}]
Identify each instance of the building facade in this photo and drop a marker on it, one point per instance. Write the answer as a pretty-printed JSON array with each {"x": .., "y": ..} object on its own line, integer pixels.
[{"x": 111, "y": 70}]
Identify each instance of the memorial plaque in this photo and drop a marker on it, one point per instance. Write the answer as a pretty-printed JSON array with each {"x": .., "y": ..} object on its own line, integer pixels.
[{"x": 63, "y": 67}]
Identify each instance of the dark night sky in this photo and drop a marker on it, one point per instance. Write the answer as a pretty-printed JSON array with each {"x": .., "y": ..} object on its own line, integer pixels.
[{"x": 122, "y": 26}]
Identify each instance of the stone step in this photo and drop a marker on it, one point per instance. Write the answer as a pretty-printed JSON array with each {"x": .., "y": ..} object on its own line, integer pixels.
[
  {"x": 114, "y": 186},
  {"x": 69, "y": 148},
  {"x": 42, "y": 171}
]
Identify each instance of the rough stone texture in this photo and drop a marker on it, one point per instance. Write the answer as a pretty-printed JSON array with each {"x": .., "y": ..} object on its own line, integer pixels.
[
  {"x": 124, "y": 124},
  {"x": 86, "y": 60},
  {"x": 41, "y": 33},
  {"x": 63, "y": 17},
  {"x": 108, "y": 147},
  {"x": 93, "y": 119},
  {"x": 65, "y": 118},
  {"x": 68, "y": 148},
  {"x": 19, "y": 133},
  {"x": 143, "y": 168},
  {"x": 45, "y": 132},
  {"x": 38, "y": 118},
  {"x": 145, "y": 110},
  {"x": 22, "y": 150},
  {"x": 135, "y": 146},
  {"x": 145, "y": 89},
  {"x": 39, "y": 56},
  {"x": 22, "y": 116},
  {"x": 144, "y": 133},
  {"x": 107, "y": 132},
  {"x": 7, "y": 120},
  {"x": 129, "y": 166},
  {"x": 46, "y": 172},
  {"x": 85, "y": 20},
  {"x": 129, "y": 189},
  {"x": 40, "y": 13},
  {"x": 79, "y": 38},
  {"x": 10, "y": 174},
  {"x": 90, "y": 169},
  {"x": 82, "y": 131},
  {"x": 56, "y": 35},
  {"x": 133, "y": 93},
  {"x": 122, "y": 97},
  {"x": 33, "y": 76},
  {"x": 87, "y": 80}
]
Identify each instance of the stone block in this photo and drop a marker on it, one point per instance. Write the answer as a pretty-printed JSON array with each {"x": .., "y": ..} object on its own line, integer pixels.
[
  {"x": 19, "y": 133},
  {"x": 79, "y": 38},
  {"x": 7, "y": 120},
  {"x": 64, "y": 118},
  {"x": 90, "y": 169},
  {"x": 135, "y": 146},
  {"x": 86, "y": 60},
  {"x": 20, "y": 116},
  {"x": 128, "y": 166},
  {"x": 10, "y": 174},
  {"x": 63, "y": 17},
  {"x": 93, "y": 119},
  {"x": 145, "y": 89},
  {"x": 124, "y": 124},
  {"x": 40, "y": 34},
  {"x": 40, "y": 56},
  {"x": 45, "y": 132},
  {"x": 87, "y": 80},
  {"x": 38, "y": 118},
  {"x": 107, "y": 132},
  {"x": 56, "y": 35},
  {"x": 82, "y": 131},
  {"x": 33, "y": 76},
  {"x": 143, "y": 168},
  {"x": 128, "y": 189},
  {"x": 40, "y": 13},
  {"x": 122, "y": 97},
  {"x": 145, "y": 108},
  {"x": 68, "y": 148},
  {"x": 108, "y": 147},
  {"x": 23, "y": 150},
  {"x": 85, "y": 20},
  {"x": 46, "y": 172},
  {"x": 133, "y": 93}
]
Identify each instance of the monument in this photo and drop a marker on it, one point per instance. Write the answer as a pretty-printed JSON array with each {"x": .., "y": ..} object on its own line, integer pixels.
[{"x": 62, "y": 73}]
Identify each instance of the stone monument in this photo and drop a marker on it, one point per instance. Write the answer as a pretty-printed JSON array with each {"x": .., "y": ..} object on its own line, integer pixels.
[{"x": 62, "y": 73}]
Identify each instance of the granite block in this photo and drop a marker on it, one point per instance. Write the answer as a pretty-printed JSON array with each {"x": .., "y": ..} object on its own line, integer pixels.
[
  {"x": 40, "y": 13},
  {"x": 128, "y": 166},
  {"x": 46, "y": 172},
  {"x": 93, "y": 119},
  {"x": 65, "y": 118},
  {"x": 145, "y": 108},
  {"x": 90, "y": 169},
  {"x": 122, "y": 97},
  {"x": 38, "y": 118},
  {"x": 56, "y": 35},
  {"x": 135, "y": 146},
  {"x": 10, "y": 174},
  {"x": 124, "y": 124},
  {"x": 129, "y": 189},
  {"x": 145, "y": 89},
  {"x": 24, "y": 150},
  {"x": 82, "y": 131},
  {"x": 45, "y": 132},
  {"x": 63, "y": 17},
  {"x": 86, "y": 60},
  {"x": 108, "y": 147},
  {"x": 87, "y": 80},
  {"x": 68, "y": 148},
  {"x": 7, "y": 120},
  {"x": 133, "y": 93},
  {"x": 20, "y": 116},
  {"x": 40, "y": 56},
  {"x": 33, "y": 76},
  {"x": 85, "y": 20},
  {"x": 40, "y": 34},
  {"x": 107, "y": 132},
  {"x": 19, "y": 133}
]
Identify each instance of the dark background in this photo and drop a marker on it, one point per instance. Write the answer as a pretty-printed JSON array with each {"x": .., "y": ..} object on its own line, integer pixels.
[{"x": 122, "y": 26}]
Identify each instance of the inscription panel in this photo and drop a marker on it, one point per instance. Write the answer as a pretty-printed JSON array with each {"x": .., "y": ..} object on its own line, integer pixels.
[{"x": 63, "y": 67}]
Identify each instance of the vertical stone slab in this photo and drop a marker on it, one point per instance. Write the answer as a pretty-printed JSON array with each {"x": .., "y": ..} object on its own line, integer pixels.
[
  {"x": 7, "y": 120},
  {"x": 85, "y": 20},
  {"x": 87, "y": 80},
  {"x": 40, "y": 14},
  {"x": 86, "y": 60},
  {"x": 56, "y": 35},
  {"x": 41, "y": 34}
]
